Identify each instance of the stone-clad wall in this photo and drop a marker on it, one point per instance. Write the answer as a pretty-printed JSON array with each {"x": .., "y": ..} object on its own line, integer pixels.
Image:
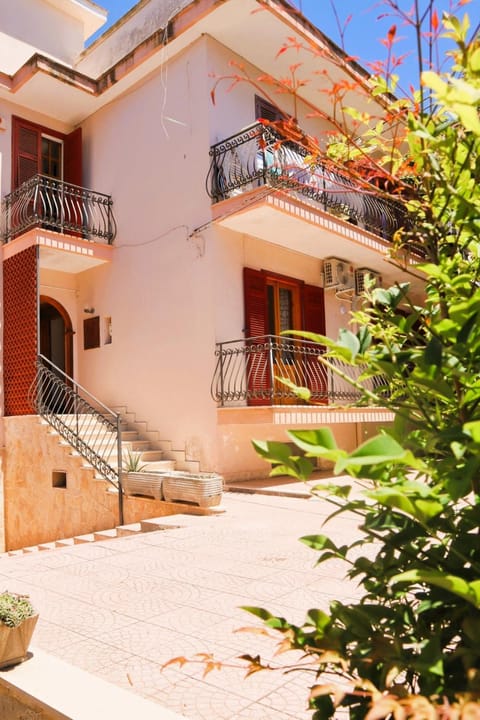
[{"x": 35, "y": 511}]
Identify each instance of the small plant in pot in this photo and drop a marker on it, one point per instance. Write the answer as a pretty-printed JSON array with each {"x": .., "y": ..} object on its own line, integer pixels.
[
  {"x": 17, "y": 623},
  {"x": 132, "y": 462}
]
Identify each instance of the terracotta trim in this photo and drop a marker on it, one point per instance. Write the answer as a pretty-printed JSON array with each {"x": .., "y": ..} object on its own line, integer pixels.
[{"x": 300, "y": 415}]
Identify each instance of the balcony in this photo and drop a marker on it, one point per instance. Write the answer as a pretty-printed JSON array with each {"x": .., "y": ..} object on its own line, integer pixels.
[
  {"x": 53, "y": 205},
  {"x": 259, "y": 157},
  {"x": 248, "y": 372}
]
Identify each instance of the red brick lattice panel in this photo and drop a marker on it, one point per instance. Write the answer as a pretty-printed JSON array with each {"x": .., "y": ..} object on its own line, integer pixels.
[{"x": 20, "y": 309}]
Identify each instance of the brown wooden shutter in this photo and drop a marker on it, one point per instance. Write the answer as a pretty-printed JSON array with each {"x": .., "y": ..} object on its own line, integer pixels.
[
  {"x": 313, "y": 309},
  {"x": 258, "y": 371},
  {"x": 72, "y": 158},
  {"x": 26, "y": 150},
  {"x": 255, "y": 293},
  {"x": 313, "y": 302},
  {"x": 91, "y": 333}
]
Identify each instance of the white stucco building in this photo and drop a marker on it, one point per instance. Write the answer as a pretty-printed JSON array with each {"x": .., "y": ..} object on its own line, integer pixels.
[{"x": 149, "y": 232}]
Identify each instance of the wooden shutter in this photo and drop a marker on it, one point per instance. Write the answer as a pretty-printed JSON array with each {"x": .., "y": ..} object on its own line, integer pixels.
[
  {"x": 258, "y": 371},
  {"x": 313, "y": 302},
  {"x": 26, "y": 151},
  {"x": 91, "y": 333},
  {"x": 72, "y": 158},
  {"x": 73, "y": 173},
  {"x": 313, "y": 309},
  {"x": 255, "y": 293}
]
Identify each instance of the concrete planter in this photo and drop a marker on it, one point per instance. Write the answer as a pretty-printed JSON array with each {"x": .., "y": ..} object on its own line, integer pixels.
[
  {"x": 144, "y": 484},
  {"x": 15, "y": 641},
  {"x": 203, "y": 489}
]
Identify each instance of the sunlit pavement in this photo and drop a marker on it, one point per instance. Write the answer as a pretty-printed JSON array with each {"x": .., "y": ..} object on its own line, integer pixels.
[{"x": 122, "y": 608}]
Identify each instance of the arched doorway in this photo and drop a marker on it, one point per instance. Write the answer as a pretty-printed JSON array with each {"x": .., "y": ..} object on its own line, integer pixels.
[{"x": 56, "y": 334}]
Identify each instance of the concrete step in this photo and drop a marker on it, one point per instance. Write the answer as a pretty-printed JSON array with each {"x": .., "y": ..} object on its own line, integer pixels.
[
  {"x": 129, "y": 435},
  {"x": 130, "y": 529},
  {"x": 31, "y": 549},
  {"x": 152, "y": 455},
  {"x": 169, "y": 522},
  {"x": 190, "y": 466},
  {"x": 66, "y": 542},
  {"x": 159, "y": 466},
  {"x": 87, "y": 538},
  {"x": 105, "y": 534},
  {"x": 47, "y": 546},
  {"x": 136, "y": 445}
]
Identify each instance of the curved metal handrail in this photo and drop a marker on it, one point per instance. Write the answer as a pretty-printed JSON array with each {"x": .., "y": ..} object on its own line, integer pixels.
[
  {"x": 58, "y": 205},
  {"x": 259, "y": 155},
  {"x": 251, "y": 371},
  {"x": 88, "y": 425}
]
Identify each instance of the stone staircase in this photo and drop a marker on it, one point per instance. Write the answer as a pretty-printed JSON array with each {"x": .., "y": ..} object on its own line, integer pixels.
[
  {"x": 139, "y": 444},
  {"x": 154, "y": 453}
]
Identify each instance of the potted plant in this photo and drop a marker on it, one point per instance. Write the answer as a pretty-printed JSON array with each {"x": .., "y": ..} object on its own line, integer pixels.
[
  {"x": 135, "y": 479},
  {"x": 17, "y": 623},
  {"x": 132, "y": 462}
]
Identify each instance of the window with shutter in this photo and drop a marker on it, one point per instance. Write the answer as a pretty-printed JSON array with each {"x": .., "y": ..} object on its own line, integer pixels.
[
  {"x": 38, "y": 149},
  {"x": 267, "y": 111},
  {"x": 273, "y": 304}
]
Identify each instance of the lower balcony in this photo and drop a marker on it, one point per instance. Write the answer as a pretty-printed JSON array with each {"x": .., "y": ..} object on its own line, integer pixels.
[
  {"x": 73, "y": 227},
  {"x": 58, "y": 206},
  {"x": 263, "y": 370}
]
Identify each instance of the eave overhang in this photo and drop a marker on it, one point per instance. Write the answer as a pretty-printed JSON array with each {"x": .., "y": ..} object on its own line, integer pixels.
[
  {"x": 281, "y": 219},
  {"x": 43, "y": 83}
]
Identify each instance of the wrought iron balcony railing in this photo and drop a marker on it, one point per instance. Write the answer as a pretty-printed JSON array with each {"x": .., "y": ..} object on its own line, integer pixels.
[
  {"x": 45, "y": 202},
  {"x": 258, "y": 155},
  {"x": 248, "y": 371}
]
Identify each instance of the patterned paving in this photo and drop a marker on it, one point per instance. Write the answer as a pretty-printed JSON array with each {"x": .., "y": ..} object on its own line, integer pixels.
[{"x": 121, "y": 608}]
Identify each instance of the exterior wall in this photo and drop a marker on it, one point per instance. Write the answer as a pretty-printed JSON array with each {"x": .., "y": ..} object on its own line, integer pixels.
[
  {"x": 233, "y": 252},
  {"x": 37, "y": 512},
  {"x": 234, "y": 108},
  {"x": 174, "y": 288},
  {"x": 237, "y": 457},
  {"x": 237, "y": 427},
  {"x": 150, "y": 151}
]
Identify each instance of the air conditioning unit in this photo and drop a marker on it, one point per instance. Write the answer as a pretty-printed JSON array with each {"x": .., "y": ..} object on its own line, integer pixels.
[
  {"x": 338, "y": 274},
  {"x": 361, "y": 276}
]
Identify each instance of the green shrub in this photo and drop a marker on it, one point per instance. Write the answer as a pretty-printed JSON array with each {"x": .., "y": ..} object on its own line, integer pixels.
[{"x": 15, "y": 608}]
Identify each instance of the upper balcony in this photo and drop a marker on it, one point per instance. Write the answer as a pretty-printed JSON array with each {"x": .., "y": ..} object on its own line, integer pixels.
[
  {"x": 73, "y": 226},
  {"x": 271, "y": 184}
]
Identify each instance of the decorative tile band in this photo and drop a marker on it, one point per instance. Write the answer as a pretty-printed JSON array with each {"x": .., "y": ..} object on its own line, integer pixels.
[{"x": 329, "y": 418}]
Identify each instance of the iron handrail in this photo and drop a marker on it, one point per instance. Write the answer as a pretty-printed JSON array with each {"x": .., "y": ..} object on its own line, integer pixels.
[
  {"x": 259, "y": 155},
  {"x": 250, "y": 371},
  {"x": 60, "y": 206},
  {"x": 89, "y": 426}
]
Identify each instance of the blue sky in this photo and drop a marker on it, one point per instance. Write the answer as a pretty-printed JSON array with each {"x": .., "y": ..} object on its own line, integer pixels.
[{"x": 363, "y": 34}]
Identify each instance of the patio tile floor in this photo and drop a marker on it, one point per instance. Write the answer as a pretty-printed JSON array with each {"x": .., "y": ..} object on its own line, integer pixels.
[{"x": 122, "y": 607}]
